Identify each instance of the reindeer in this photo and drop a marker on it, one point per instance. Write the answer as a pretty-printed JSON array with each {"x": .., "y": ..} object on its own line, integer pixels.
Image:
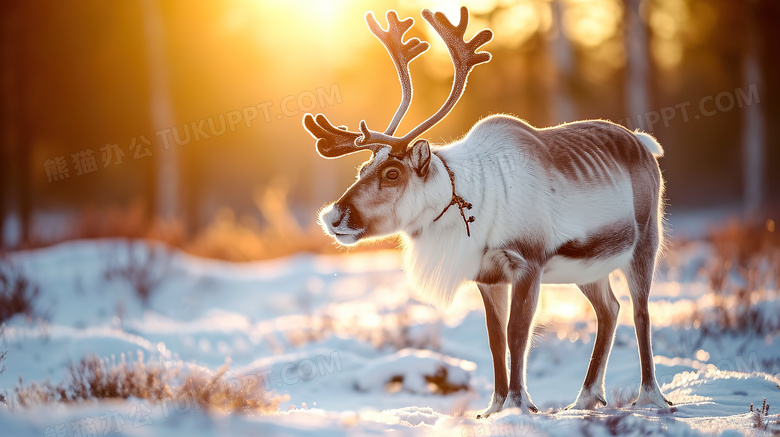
[{"x": 565, "y": 204}]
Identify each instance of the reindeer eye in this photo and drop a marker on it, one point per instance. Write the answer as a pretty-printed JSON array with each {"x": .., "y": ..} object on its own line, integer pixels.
[{"x": 392, "y": 174}]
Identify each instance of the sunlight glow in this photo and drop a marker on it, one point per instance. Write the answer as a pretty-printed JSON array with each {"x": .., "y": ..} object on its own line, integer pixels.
[
  {"x": 338, "y": 25},
  {"x": 451, "y": 7},
  {"x": 668, "y": 20},
  {"x": 563, "y": 304},
  {"x": 516, "y": 24},
  {"x": 590, "y": 23}
]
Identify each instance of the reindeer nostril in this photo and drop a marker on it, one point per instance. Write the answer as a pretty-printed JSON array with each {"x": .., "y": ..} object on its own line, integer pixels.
[
  {"x": 343, "y": 216},
  {"x": 339, "y": 213}
]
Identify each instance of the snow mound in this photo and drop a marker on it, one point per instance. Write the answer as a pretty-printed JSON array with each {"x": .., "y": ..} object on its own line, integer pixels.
[
  {"x": 414, "y": 416},
  {"x": 720, "y": 392},
  {"x": 417, "y": 371}
]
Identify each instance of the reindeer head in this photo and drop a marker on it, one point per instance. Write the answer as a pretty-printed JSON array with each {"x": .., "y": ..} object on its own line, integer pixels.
[{"x": 389, "y": 192}]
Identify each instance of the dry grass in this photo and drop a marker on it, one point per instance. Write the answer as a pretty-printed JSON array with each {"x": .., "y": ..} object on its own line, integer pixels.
[
  {"x": 743, "y": 275},
  {"x": 441, "y": 385},
  {"x": 622, "y": 397},
  {"x": 214, "y": 391},
  {"x": 244, "y": 238},
  {"x": 763, "y": 421},
  {"x": 748, "y": 243},
  {"x": 144, "y": 265},
  {"x": 94, "y": 379},
  {"x": 17, "y": 292},
  {"x": 273, "y": 233},
  {"x": 3, "y": 354}
]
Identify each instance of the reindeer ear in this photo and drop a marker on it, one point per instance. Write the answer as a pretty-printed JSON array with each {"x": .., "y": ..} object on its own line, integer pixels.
[{"x": 420, "y": 157}]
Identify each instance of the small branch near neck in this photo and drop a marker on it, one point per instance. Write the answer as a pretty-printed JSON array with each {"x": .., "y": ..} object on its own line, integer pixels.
[{"x": 457, "y": 200}]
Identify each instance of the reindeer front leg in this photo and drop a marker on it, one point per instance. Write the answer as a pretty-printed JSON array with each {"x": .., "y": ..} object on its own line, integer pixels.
[
  {"x": 525, "y": 296},
  {"x": 495, "y": 298}
]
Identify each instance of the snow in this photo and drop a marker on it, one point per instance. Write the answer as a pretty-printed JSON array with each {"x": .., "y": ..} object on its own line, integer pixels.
[
  {"x": 340, "y": 338},
  {"x": 412, "y": 367}
]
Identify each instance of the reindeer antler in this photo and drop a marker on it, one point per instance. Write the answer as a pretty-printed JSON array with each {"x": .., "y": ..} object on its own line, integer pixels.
[
  {"x": 464, "y": 58},
  {"x": 402, "y": 53},
  {"x": 333, "y": 141}
]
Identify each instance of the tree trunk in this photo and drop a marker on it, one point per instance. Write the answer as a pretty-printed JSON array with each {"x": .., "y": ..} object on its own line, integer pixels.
[
  {"x": 636, "y": 93},
  {"x": 15, "y": 186},
  {"x": 166, "y": 187},
  {"x": 561, "y": 69},
  {"x": 9, "y": 126},
  {"x": 753, "y": 123}
]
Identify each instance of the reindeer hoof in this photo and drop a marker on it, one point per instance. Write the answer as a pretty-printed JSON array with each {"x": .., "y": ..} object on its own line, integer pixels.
[
  {"x": 521, "y": 401},
  {"x": 652, "y": 397},
  {"x": 587, "y": 400},
  {"x": 495, "y": 406},
  {"x": 487, "y": 413}
]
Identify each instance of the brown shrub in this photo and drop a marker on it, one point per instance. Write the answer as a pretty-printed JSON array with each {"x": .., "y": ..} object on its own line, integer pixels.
[
  {"x": 17, "y": 292},
  {"x": 94, "y": 379},
  {"x": 743, "y": 276}
]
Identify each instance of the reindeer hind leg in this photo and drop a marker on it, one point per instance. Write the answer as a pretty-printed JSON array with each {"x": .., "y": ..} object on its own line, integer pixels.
[
  {"x": 639, "y": 275},
  {"x": 606, "y": 306}
]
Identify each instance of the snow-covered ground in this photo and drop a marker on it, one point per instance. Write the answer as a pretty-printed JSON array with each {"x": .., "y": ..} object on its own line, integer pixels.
[{"x": 351, "y": 353}]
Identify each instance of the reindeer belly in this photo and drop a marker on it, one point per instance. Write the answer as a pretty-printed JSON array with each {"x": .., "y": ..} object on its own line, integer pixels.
[
  {"x": 582, "y": 261},
  {"x": 562, "y": 270},
  {"x": 578, "y": 261}
]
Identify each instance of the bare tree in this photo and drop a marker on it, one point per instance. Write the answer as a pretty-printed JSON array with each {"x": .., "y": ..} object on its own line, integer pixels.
[
  {"x": 161, "y": 108},
  {"x": 561, "y": 68},
  {"x": 7, "y": 109},
  {"x": 753, "y": 123},
  {"x": 15, "y": 188},
  {"x": 637, "y": 96}
]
